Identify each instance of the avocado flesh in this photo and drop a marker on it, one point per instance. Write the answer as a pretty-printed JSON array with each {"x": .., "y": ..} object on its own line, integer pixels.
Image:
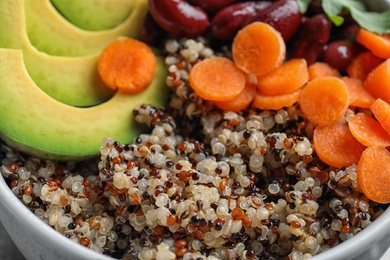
[
  {"x": 94, "y": 15},
  {"x": 62, "y": 38},
  {"x": 71, "y": 80},
  {"x": 34, "y": 123}
]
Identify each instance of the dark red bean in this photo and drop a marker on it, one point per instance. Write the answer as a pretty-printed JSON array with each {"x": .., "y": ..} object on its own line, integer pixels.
[
  {"x": 151, "y": 32},
  {"x": 211, "y": 6},
  {"x": 228, "y": 21},
  {"x": 179, "y": 17},
  {"x": 339, "y": 54},
  {"x": 311, "y": 38},
  {"x": 315, "y": 7},
  {"x": 283, "y": 15}
]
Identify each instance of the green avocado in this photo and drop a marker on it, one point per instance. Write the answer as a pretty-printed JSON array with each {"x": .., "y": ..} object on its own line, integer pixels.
[
  {"x": 71, "y": 80},
  {"x": 34, "y": 123},
  {"x": 51, "y": 33},
  {"x": 94, "y": 15}
]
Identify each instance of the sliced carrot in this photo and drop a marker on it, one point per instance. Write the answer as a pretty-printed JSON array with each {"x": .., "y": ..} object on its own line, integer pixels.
[
  {"x": 363, "y": 64},
  {"x": 127, "y": 64},
  {"x": 241, "y": 102},
  {"x": 374, "y": 174},
  {"x": 324, "y": 100},
  {"x": 368, "y": 131},
  {"x": 336, "y": 146},
  {"x": 217, "y": 79},
  {"x": 276, "y": 102},
  {"x": 287, "y": 78},
  {"x": 258, "y": 48},
  {"x": 358, "y": 95},
  {"x": 378, "y": 44},
  {"x": 381, "y": 111},
  {"x": 378, "y": 81},
  {"x": 322, "y": 69}
]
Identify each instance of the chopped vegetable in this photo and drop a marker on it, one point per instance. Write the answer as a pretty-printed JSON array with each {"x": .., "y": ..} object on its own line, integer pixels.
[
  {"x": 363, "y": 64},
  {"x": 381, "y": 111},
  {"x": 287, "y": 78},
  {"x": 368, "y": 131},
  {"x": 336, "y": 146},
  {"x": 241, "y": 102},
  {"x": 275, "y": 102},
  {"x": 378, "y": 44},
  {"x": 258, "y": 49},
  {"x": 374, "y": 174},
  {"x": 324, "y": 100},
  {"x": 358, "y": 95},
  {"x": 217, "y": 79},
  {"x": 127, "y": 65},
  {"x": 378, "y": 81},
  {"x": 322, "y": 69}
]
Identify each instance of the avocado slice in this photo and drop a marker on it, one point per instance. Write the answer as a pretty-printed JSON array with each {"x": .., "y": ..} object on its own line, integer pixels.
[
  {"x": 94, "y": 15},
  {"x": 34, "y": 123},
  {"x": 71, "y": 80},
  {"x": 51, "y": 33}
]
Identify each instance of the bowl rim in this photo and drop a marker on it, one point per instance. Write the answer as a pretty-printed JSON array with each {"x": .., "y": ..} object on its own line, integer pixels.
[{"x": 14, "y": 206}]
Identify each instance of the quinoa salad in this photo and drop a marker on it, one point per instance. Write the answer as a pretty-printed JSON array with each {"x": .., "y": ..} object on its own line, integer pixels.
[
  {"x": 278, "y": 162},
  {"x": 203, "y": 184}
]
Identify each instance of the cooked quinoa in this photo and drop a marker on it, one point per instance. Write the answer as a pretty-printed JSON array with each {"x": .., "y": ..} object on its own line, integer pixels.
[{"x": 203, "y": 184}]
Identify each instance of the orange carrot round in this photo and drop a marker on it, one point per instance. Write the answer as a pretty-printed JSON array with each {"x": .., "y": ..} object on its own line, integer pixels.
[
  {"x": 377, "y": 82},
  {"x": 241, "y": 102},
  {"x": 127, "y": 65},
  {"x": 363, "y": 64},
  {"x": 321, "y": 69},
  {"x": 217, "y": 79},
  {"x": 324, "y": 100},
  {"x": 275, "y": 102},
  {"x": 358, "y": 95},
  {"x": 258, "y": 48},
  {"x": 336, "y": 146},
  {"x": 381, "y": 111},
  {"x": 374, "y": 174},
  {"x": 378, "y": 44},
  {"x": 285, "y": 79},
  {"x": 368, "y": 131}
]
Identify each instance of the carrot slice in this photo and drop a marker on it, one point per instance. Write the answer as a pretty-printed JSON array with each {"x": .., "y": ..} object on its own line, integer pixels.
[
  {"x": 381, "y": 111},
  {"x": 242, "y": 101},
  {"x": 368, "y": 131},
  {"x": 378, "y": 44},
  {"x": 324, "y": 100},
  {"x": 363, "y": 64},
  {"x": 358, "y": 95},
  {"x": 287, "y": 78},
  {"x": 374, "y": 174},
  {"x": 378, "y": 81},
  {"x": 322, "y": 69},
  {"x": 276, "y": 102},
  {"x": 336, "y": 146},
  {"x": 258, "y": 48},
  {"x": 217, "y": 79},
  {"x": 127, "y": 64}
]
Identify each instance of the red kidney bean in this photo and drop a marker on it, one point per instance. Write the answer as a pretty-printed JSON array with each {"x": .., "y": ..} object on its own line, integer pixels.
[
  {"x": 179, "y": 17},
  {"x": 151, "y": 32},
  {"x": 228, "y": 21},
  {"x": 283, "y": 15},
  {"x": 339, "y": 54},
  {"x": 211, "y": 6},
  {"x": 311, "y": 38}
]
